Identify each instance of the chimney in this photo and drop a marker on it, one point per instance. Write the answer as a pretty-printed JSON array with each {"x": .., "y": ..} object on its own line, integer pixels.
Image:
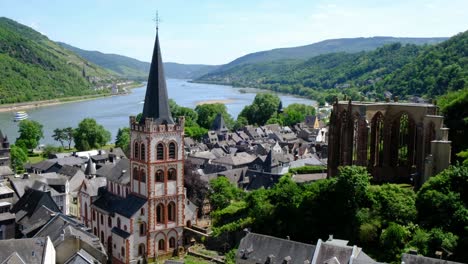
[{"x": 330, "y": 237}]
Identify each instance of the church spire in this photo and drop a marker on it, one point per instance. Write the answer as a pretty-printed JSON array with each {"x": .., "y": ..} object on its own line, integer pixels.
[{"x": 156, "y": 102}]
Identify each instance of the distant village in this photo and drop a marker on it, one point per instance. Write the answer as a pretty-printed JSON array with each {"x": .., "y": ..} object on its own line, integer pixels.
[{"x": 107, "y": 206}]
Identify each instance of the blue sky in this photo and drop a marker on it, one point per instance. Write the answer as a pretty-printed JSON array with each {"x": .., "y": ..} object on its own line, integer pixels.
[{"x": 218, "y": 31}]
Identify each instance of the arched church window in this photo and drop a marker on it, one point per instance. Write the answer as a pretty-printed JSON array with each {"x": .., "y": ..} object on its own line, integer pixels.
[
  {"x": 160, "y": 214},
  {"x": 172, "y": 242},
  {"x": 135, "y": 174},
  {"x": 161, "y": 244},
  {"x": 172, "y": 150},
  {"x": 142, "y": 175},
  {"x": 159, "y": 176},
  {"x": 171, "y": 175},
  {"x": 143, "y": 152},
  {"x": 171, "y": 212},
  {"x": 136, "y": 153},
  {"x": 160, "y": 152}
]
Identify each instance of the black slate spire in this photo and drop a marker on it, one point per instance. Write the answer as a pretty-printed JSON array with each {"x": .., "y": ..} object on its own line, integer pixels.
[{"x": 156, "y": 103}]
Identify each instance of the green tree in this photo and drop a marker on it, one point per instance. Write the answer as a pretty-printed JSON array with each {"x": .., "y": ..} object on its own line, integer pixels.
[
  {"x": 49, "y": 150},
  {"x": 196, "y": 132},
  {"x": 18, "y": 158},
  {"x": 30, "y": 133},
  {"x": 90, "y": 135},
  {"x": 122, "y": 139},
  {"x": 393, "y": 240},
  {"x": 207, "y": 113},
  {"x": 68, "y": 131},
  {"x": 262, "y": 108},
  {"x": 222, "y": 193},
  {"x": 394, "y": 203},
  {"x": 296, "y": 113},
  {"x": 59, "y": 135}
]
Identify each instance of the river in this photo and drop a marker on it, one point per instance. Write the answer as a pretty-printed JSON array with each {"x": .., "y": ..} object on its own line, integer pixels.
[{"x": 113, "y": 112}]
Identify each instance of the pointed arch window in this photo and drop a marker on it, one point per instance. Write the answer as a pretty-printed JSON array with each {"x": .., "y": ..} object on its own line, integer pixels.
[
  {"x": 172, "y": 150},
  {"x": 171, "y": 210},
  {"x": 171, "y": 175},
  {"x": 136, "y": 153},
  {"x": 141, "y": 249},
  {"x": 143, "y": 152},
  {"x": 160, "y": 151},
  {"x": 159, "y": 176}
]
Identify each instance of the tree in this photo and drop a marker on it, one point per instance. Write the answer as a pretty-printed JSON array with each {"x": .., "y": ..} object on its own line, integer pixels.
[
  {"x": 296, "y": 113},
  {"x": 68, "y": 131},
  {"x": 49, "y": 150},
  {"x": 90, "y": 135},
  {"x": 262, "y": 108},
  {"x": 197, "y": 189},
  {"x": 30, "y": 133},
  {"x": 59, "y": 135},
  {"x": 207, "y": 113},
  {"x": 122, "y": 139},
  {"x": 223, "y": 192},
  {"x": 18, "y": 158}
]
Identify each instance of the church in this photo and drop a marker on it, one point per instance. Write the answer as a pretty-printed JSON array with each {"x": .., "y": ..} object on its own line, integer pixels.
[{"x": 142, "y": 209}]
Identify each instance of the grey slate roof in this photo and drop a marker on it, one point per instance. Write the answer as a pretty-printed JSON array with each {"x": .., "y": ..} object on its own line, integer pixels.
[
  {"x": 28, "y": 250},
  {"x": 112, "y": 203},
  {"x": 120, "y": 232},
  {"x": 156, "y": 101},
  {"x": 82, "y": 257},
  {"x": 120, "y": 172},
  {"x": 256, "y": 248},
  {"x": 239, "y": 158}
]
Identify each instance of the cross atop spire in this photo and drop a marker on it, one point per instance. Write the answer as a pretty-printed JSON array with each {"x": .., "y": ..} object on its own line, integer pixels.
[{"x": 157, "y": 20}]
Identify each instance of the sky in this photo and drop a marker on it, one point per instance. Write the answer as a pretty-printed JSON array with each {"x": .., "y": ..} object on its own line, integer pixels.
[{"x": 219, "y": 31}]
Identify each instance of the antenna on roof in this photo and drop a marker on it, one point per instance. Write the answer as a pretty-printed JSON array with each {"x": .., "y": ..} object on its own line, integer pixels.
[{"x": 157, "y": 20}]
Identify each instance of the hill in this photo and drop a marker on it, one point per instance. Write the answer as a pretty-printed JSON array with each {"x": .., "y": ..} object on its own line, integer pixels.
[
  {"x": 32, "y": 67},
  {"x": 134, "y": 69},
  {"x": 348, "y": 45},
  {"x": 404, "y": 70}
]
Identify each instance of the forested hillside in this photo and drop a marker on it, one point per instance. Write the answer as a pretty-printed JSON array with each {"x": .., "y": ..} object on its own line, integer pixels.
[
  {"x": 34, "y": 68},
  {"x": 348, "y": 45},
  {"x": 405, "y": 70},
  {"x": 134, "y": 69}
]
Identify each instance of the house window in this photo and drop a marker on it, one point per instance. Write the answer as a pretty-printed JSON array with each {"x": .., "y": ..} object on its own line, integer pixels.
[
  {"x": 159, "y": 176},
  {"x": 172, "y": 150},
  {"x": 94, "y": 215},
  {"x": 160, "y": 213},
  {"x": 125, "y": 227},
  {"x": 118, "y": 222},
  {"x": 142, "y": 211},
  {"x": 142, "y": 229},
  {"x": 102, "y": 219},
  {"x": 109, "y": 221},
  {"x": 172, "y": 175},
  {"x": 95, "y": 231},
  {"x": 136, "y": 153},
  {"x": 171, "y": 211},
  {"x": 161, "y": 244},
  {"x": 143, "y": 152},
  {"x": 122, "y": 251},
  {"x": 172, "y": 242},
  {"x": 102, "y": 237},
  {"x": 160, "y": 152},
  {"x": 142, "y": 175}
]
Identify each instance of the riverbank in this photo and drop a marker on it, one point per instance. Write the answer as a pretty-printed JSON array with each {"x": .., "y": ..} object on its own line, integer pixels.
[
  {"x": 216, "y": 101},
  {"x": 35, "y": 104}
]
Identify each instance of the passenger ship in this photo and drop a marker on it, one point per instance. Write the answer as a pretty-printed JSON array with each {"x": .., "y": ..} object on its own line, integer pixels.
[{"x": 21, "y": 115}]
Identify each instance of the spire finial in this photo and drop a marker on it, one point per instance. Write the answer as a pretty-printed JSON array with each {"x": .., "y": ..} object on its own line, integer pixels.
[{"x": 157, "y": 20}]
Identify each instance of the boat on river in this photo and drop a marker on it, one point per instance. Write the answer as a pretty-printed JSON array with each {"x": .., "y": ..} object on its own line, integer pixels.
[{"x": 20, "y": 115}]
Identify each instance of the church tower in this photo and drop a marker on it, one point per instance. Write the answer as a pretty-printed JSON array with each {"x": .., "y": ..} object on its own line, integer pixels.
[{"x": 156, "y": 164}]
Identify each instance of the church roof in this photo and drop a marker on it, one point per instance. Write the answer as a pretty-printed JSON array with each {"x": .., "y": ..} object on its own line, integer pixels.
[
  {"x": 218, "y": 123},
  {"x": 156, "y": 101}
]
